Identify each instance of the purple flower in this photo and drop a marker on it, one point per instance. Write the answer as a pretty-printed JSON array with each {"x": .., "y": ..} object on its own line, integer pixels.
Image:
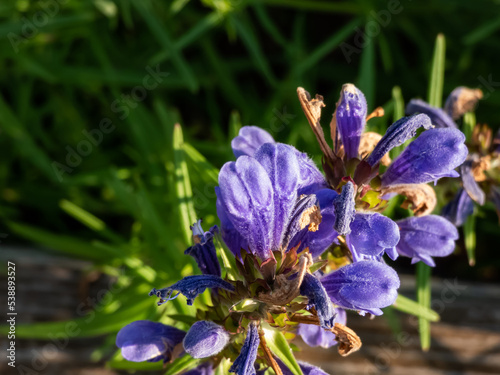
[
  {"x": 203, "y": 250},
  {"x": 425, "y": 237},
  {"x": 434, "y": 154},
  {"x": 470, "y": 185},
  {"x": 312, "y": 288},
  {"x": 397, "y": 134},
  {"x": 206, "y": 368},
  {"x": 144, "y": 340},
  {"x": 190, "y": 287},
  {"x": 344, "y": 209},
  {"x": 319, "y": 241},
  {"x": 205, "y": 339},
  {"x": 461, "y": 207},
  {"x": 314, "y": 335},
  {"x": 244, "y": 363},
  {"x": 371, "y": 235},
  {"x": 438, "y": 117},
  {"x": 258, "y": 200},
  {"x": 365, "y": 285},
  {"x": 249, "y": 139},
  {"x": 351, "y": 118}
]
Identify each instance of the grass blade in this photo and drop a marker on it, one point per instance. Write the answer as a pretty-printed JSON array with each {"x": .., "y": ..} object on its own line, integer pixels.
[
  {"x": 412, "y": 307},
  {"x": 367, "y": 72},
  {"x": 470, "y": 239},
  {"x": 424, "y": 299},
  {"x": 435, "y": 95},
  {"x": 183, "y": 185}
]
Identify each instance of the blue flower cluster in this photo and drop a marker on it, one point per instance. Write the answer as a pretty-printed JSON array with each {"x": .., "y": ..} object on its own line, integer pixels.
[{"x": 286, "y": 223}]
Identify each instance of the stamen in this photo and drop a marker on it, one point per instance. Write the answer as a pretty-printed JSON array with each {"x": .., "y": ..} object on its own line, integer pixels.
[{"x": 377, "y": 112}]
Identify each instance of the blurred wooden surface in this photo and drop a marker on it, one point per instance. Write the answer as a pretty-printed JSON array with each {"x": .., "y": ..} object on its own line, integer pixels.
[{"x": 465, "y": 342}]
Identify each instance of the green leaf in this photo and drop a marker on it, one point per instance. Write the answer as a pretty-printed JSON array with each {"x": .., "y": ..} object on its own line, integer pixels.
[
  {"x": 424, "y": 299},
  {"x": 223, "y": 368},
  {"x": 89, "y": 220},
  {"x": 435, "y": 95},
  {"x": 183, "y": 185},
  {"x": 485, "y": 30},
  {"x": 367, "y": 72},
  {"x": 278, "y": 344},
  {"x": 412, "y": 307},
  {"x": 470, "y": 239},
  {"x": 328, "y": 46},
  {"x": 182, "y": 364},
  {"x": 469, "y": 124},
  {"x": 399, "y": 112},
  {"x": 247, "y": 35},
  {"x": 64, "y": 244}
]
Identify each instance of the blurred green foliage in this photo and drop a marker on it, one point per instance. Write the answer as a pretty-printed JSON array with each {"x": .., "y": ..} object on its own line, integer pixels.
[{"x": 92, "y": 162}]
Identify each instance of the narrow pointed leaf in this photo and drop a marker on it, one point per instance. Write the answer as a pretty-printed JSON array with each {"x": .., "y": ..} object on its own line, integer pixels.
[
  {"x": 435, "y": 95},
  {"x": 470, "y": 239},
  {"x": 424, "y": 299},
  {"x": 412, "y": 307},
  {"x": 279, "y": 346}
]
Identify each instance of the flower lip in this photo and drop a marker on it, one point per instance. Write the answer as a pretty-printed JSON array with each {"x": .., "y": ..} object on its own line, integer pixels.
[
  {"x": 434, "y": 154},
  {"x": 425, "y": 237},
  {"x": 144, "y": 340}
]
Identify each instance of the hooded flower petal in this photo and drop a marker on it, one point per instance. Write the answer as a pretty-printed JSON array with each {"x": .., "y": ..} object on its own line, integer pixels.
[
  {"x": 439, "y": 118},
  {"x": 317, "y": 242},
  {"x": 190, "y": 287},
  {"x": 203, "y": 250},
  {"x": 434, "y": 154},
  {"x": 281, "y": 165},
  {"x": 206, "y": 368},
  {"x": 462, "y": 100},
  {"x": 244, "y": 364},
  {"x": 313, "y": 289},
  {"x": 246, "y": 194},
  {"x": 365, "y": 285},
  {"x": 249, "y": 139},
  {"x": 314, "y": 335},
  {"x": 397, "y": 134},
  {"x": 144, "y": 340},
  {"x": 470, "y": 185},
  {"x": 351, "y": 118},
  {"x": 205, "y": 339},
  {"x": 425, "y": 237},
  {"x": 344, "y": 209},
  {"x": 459, "y": 208},
  {"x": 232, "y": 238},
  {"x": 311, "y": 179},
  {"x": 371, "y": 235}
]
